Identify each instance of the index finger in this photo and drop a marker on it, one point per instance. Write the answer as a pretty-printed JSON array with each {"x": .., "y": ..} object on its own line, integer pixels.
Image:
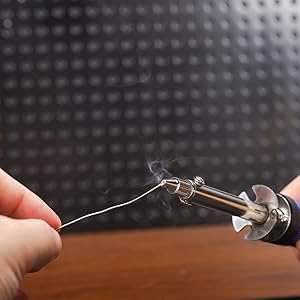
[{"x": 17, "y": 201}]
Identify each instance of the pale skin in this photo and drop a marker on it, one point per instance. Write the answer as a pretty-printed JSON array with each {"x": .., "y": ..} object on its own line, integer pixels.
[{"x": 28, "y": 233}]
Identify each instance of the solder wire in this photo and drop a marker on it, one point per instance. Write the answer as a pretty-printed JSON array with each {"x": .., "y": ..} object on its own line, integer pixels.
[{"x": 110, "y": 208}]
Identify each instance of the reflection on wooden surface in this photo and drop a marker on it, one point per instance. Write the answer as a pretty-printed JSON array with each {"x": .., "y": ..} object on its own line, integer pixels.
[{"x": 191, "y": 263}]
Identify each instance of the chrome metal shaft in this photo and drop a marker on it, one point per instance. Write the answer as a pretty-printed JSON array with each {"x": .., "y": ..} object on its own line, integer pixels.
[{"x": 197, "y": 193}]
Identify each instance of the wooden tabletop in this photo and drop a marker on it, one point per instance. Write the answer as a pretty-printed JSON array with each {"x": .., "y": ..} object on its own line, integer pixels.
[{"x": 210, "y": 262}]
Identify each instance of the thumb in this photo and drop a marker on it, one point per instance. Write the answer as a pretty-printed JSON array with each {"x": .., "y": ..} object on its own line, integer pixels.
[{"x": 25, "y": 246}]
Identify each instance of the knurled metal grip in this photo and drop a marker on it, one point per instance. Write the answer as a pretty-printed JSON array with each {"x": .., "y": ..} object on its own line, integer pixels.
[{"x": 186, "y": 190}]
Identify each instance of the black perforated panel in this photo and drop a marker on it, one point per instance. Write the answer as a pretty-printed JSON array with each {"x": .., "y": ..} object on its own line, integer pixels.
[{"x": 96, "y": 95}]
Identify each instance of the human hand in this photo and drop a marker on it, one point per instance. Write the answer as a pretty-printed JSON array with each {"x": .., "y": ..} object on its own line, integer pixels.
[
  {"x": 27, "y": 241},
  {"x": 292, "y": 190}
]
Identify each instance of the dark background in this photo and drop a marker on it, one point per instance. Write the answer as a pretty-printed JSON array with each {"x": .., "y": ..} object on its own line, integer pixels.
[{"x": 101, "y": 99}]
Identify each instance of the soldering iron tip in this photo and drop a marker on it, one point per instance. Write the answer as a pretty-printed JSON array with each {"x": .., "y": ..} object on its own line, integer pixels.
[{"x": 170, "y": 184}]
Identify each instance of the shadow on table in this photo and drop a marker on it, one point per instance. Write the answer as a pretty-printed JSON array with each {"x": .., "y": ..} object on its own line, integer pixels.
[{"x": 280, "y": 298}]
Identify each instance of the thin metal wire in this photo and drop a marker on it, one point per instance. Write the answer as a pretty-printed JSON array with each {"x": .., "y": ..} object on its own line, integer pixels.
[{"x": 111, "y": 208}]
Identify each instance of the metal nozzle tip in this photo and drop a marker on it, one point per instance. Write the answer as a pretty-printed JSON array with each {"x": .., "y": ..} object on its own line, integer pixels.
[
  {"x": 183, "y": 188},
  {"x": 163, "y": 182},
  {"x": 169, "y": 181},
  {"x": 170, "y": 184}
]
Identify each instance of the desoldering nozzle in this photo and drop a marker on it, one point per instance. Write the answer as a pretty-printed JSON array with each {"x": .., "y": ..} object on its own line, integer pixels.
[{"x": 272, "y": 217}]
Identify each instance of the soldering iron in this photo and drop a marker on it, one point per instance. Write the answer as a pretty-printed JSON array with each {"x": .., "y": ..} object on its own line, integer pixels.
[{"x": 272, "y": 217}]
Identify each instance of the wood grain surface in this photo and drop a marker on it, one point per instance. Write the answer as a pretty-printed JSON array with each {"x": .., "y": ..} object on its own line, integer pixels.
[{"x": 188, "y": 263}]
